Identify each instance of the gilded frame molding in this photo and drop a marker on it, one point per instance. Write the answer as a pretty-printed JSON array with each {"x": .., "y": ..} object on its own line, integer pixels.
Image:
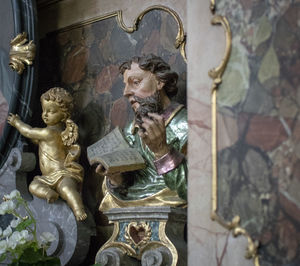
[
  {"x": 180, "y": 40},
  {"x": 216, "y": 75}
]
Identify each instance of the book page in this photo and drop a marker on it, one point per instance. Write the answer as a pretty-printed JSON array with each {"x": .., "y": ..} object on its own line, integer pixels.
[
  {"x": 123, "y": 157},
  {"x": 111, "y": 142}
]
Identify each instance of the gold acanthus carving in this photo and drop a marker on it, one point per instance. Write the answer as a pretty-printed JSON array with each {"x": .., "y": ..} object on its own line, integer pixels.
[
  {"x": 21, "y": 53},
  {"x": 216, "y": 74}
]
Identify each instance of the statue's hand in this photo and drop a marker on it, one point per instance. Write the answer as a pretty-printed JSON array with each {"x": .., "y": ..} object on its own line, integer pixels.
[
  {"x": 115, "y": 179},
  {"x": 155, "y": 134},
  {"x": 12, "y": 119}
]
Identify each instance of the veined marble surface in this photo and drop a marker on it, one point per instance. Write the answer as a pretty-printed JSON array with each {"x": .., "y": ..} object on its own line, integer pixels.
[{"x": 258, "y": 120}]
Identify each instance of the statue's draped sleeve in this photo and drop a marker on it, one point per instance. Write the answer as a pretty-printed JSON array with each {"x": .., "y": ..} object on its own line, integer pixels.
[{"x": 176, "y": 179}]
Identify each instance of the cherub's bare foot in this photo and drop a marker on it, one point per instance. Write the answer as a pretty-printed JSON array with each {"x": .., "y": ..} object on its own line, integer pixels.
[
  {"x": 51, "y": 196},
  {"x": 80, "y": 214}
]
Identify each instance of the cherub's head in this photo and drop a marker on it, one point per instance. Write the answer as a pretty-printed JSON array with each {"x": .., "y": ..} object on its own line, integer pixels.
[{"x": 57, "y": 106}]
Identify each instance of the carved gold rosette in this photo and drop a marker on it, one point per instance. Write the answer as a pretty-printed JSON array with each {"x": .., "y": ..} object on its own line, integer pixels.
[
  {"x": 21, "y": 53},
  {"x": 216, "y": 74}
]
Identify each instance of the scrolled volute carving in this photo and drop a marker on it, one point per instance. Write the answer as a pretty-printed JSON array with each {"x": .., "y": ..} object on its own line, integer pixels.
[{"x": 157, "y": 257}]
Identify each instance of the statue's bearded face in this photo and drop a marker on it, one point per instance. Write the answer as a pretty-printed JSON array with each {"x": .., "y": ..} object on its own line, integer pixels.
[
  {"x": 142, "y": 90},
  {"x": 139, "y": 84},
  {"x": 151, "y": 104}
]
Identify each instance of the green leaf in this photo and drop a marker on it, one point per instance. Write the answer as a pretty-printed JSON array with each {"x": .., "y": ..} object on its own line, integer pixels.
[
  {"x": 14, "y": 264},
  {"x": 23, "y": 225},
  {"x": 31, "y": 255},
  {"x": 50, "y": 261},
  {"x": 2, "y": 257}
]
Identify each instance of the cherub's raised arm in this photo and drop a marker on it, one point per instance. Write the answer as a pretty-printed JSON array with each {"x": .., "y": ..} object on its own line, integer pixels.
[{"x": 26, "y": 130}]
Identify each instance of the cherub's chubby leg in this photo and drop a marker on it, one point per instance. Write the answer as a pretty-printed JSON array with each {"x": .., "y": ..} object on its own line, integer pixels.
[
  {"x": 68, "y": 190},
  {"x": 43, "y": 191}
]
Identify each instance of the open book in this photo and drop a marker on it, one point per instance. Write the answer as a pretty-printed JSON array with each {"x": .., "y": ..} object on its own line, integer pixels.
[{"x": 115, "y": 154}]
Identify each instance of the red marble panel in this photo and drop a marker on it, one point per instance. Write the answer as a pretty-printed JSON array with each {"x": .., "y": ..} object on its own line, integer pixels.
[
  {"x": 266, "y": 132},
  {"x": 106, "y": 78},
  {"x": 74, "y": 68},
  {"x": 288, "y": 239},
  {"x": 119, "y": 113},
  {"x": 152, "y": 44}
]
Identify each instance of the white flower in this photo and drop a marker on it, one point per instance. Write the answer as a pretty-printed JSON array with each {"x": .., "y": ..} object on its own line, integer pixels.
[
  {"x": 13, "y": 240},
  {"x": 25, "y": 235},
  {"x": 15, "y": 194},
  {"x": 18, "y": 238},
  {"x": 3, "y": 247},
  {"x": 15, "y": 222},
  {"x": 2, "y": 208},
  {"x": 7, "y": 207},
  {"x": 47, "y": 237},
  {"x": 7, "y": 232}
]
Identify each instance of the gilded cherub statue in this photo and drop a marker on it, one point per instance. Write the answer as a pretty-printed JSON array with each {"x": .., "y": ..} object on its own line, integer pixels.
[{"x": 58, "y": 151}]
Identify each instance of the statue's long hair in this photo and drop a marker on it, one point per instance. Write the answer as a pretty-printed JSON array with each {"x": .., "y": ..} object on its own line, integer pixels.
[{"x": 158, "y": 67}]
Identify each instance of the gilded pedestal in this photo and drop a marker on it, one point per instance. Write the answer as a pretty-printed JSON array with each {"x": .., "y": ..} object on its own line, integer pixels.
[{"x": 145, "y": 236}]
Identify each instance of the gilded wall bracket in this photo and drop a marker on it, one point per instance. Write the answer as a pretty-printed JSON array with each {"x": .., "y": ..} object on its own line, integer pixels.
[
  {"x": 21, "y": 52},
  {"x": 216, "y": 75}
]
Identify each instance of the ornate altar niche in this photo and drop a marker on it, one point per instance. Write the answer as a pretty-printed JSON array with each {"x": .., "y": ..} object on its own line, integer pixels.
[
  {"x": 255, "y": 130},
  {"x": 84, "y": 59}
]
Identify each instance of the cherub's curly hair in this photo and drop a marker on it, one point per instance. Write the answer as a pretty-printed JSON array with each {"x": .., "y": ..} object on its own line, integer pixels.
[
  {"x": 65, "y": 101},
  {"x": 158, "y": 67},
  {"x": 61, "y": 97}
]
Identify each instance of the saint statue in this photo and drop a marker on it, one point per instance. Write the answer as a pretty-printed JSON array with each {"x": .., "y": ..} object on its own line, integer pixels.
[{"x": 159, "y": 132}]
